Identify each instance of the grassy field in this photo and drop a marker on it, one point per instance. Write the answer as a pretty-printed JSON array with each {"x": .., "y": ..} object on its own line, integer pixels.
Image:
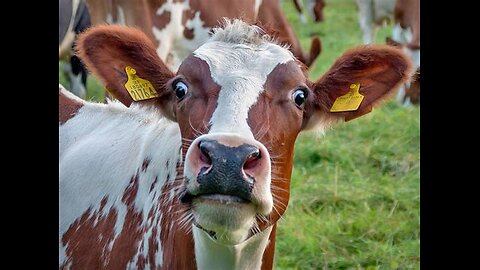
[{"x": 355, "y": 192}]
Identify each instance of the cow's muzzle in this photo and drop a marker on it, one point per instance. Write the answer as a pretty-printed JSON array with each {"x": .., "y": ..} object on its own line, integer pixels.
[{"x": 228, "y": 170}]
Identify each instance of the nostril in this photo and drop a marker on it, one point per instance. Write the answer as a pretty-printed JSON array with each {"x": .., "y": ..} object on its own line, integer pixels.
[
  {"x": 204, "y": 153},
  {"x": 252, "y": 160}
]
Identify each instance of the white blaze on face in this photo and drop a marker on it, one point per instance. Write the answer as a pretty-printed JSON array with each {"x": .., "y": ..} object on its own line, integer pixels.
[{"x": 241, "y": 71}]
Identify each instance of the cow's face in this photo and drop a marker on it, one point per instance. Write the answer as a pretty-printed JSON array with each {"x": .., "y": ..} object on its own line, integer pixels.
[
  {"x": 240, "y": 108},
  {"x": 240, "y": 101}
]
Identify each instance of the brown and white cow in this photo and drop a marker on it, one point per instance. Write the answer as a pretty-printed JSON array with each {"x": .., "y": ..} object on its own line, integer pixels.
[
  {"x": 178, "y": 27},
  {"x": 192, "y": 170},
  {"x": 406, "y": 35}
]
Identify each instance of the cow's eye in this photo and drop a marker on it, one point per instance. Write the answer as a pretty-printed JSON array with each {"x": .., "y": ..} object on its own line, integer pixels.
[
  {"x": 180, "y": 88},
  {"x": 299, "y": 97}
]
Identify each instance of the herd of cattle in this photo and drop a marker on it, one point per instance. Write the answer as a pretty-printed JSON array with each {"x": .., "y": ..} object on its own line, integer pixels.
[{"x": 189, "y": 166}]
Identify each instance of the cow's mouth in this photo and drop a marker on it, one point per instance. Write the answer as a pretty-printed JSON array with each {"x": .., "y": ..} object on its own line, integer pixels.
[{"x": 214, "y": 198}]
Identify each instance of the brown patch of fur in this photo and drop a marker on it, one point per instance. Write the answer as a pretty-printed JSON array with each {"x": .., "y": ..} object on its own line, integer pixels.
[
  {"x": 67, "y": 107},
  {"x": 188, "y": 33},
  {"x": 131, "y": 191},
  {"x": 83, "y": 238},
  {"x": 145, "y": 164},
  {"x": 88, "y": 241},
  {"x": 160, "y": 21}
]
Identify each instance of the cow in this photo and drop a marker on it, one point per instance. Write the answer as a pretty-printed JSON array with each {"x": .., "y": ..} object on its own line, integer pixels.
[
  {"x": 314, "y": 9},
  {"x": 406, "y": 35},
  {"x": 73, "y": 18},
  {"x": 178, "y": 27},
  {"x": 191, "y": 170},
  {"x": 409, "y": 93},
  {"x": 407, "y": 27}
]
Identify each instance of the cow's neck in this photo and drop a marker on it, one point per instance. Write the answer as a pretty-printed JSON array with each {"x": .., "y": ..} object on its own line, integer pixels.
[{"x": 210, "y": 254}]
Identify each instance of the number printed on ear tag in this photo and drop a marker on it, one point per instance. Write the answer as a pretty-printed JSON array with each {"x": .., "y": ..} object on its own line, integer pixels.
[
  {"x": 138, "y": 88},
  {"x": 350, "y": 101}
]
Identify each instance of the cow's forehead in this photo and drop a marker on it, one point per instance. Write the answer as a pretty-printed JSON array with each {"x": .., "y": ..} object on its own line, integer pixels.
[
  {"x": 241, "y": 71},
  {"x": 223, "y": 56}
]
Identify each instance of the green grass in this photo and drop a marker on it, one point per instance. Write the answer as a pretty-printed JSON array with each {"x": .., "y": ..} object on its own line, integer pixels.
[{"x": 355, "y": 191}]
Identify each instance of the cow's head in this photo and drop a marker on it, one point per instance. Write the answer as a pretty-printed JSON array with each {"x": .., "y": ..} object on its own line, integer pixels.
[{"x": 240, "y": 101}]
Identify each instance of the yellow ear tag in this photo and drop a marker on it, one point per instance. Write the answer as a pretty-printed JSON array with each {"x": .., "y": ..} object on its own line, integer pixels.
[
  {"x": 138, "y": 88},
  {"x": 350, "y": 101}
]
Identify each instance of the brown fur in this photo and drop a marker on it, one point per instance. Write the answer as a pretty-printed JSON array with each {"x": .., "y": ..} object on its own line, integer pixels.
[
  {"x": 67, "y": 107},
  {"x": 413, "y": 92}
]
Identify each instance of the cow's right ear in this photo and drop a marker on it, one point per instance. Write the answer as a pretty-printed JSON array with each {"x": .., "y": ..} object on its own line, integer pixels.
[{"x": 126, "y": 62}]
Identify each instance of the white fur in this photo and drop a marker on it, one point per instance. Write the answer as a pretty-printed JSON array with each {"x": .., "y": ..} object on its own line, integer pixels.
[
  {"x": 247, "y": 255},
  {"x": 102, "y": 148}
]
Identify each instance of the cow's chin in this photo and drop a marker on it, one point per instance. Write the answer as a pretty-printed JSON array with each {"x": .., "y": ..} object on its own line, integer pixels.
[{"x": 227, "y": 219}]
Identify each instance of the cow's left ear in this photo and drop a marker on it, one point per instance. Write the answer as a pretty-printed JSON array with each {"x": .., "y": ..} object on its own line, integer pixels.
[
  {"x": 361, "y": 78},
  {"x": 126, "y": 62}
]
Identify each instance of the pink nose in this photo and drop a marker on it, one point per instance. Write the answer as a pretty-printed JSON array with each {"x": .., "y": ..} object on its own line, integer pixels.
[{"x": 222, "y": 168}]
